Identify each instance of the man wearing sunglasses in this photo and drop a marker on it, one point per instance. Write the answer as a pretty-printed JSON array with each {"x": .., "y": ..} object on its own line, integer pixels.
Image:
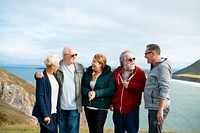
[
  {"x": 156, "y": 92},
  {"x": 69, "y": 75},
  {"x": 130, "y": 81}
]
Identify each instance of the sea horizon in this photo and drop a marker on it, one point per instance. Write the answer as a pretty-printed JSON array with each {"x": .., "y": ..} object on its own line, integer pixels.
[{"x": 86, "y": 66}]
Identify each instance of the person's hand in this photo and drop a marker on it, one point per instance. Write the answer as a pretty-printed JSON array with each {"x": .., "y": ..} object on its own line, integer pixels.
[
  {"x": 47, "y": 120},
  {"x": 160, "y": 117},
  {"x": 125, "y": 84},
  {"x": 91, "y": 95},
  {"x": 39, "y": 75},
  {"x": 111, "y": 107}
]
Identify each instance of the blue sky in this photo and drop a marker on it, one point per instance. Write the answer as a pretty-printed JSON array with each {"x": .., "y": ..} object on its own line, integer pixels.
[{"x": 32, "y": 29}]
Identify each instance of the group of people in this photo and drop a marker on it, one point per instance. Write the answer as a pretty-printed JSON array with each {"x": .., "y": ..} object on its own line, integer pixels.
[{"x": 65, "y": 86}]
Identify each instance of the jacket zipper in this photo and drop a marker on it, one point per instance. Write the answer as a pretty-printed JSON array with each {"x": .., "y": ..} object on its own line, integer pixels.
[
  {"x": 123, "y": 89},
  {"x": 121, "y": 99}
]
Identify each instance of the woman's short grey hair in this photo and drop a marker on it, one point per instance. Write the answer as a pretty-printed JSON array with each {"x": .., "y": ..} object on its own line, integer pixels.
[
  {"x": 122, "y": 56},
  {"x": 51, "y": 60}
]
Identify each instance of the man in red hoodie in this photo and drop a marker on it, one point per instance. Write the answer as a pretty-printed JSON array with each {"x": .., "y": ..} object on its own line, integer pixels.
[{"x": 130, "y": 82}]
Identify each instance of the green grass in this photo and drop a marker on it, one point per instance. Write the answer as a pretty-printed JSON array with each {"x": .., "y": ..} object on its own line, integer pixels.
[
  {"x": 36, "y": 129},
  {"x": 10, "y": 115},
  {"x": 16, "y": 128},
  {"x": 19, "y": 129}
]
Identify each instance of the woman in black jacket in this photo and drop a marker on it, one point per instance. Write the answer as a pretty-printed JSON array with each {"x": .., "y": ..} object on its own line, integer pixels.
[{"x": 97, "y": 89}]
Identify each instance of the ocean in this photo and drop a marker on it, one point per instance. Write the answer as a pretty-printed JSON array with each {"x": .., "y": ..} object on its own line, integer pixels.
[{"x": 184, "y": 115}]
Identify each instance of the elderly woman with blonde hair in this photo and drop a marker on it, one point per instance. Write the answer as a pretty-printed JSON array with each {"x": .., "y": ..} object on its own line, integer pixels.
[
  {"x": 97, "y": 89},
  {"x": 47, "y": 97}
]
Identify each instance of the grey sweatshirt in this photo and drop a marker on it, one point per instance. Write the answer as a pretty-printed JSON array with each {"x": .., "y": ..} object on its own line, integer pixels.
[{"x": 157, "y": 85}]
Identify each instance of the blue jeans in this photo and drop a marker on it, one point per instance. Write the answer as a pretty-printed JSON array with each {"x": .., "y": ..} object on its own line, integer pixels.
[
  {"x": 69, "y": 121},
  {"x": 95, "y": 119},
  {"x": 126, "y": 122},
  {"x": 154, "y": 126}
]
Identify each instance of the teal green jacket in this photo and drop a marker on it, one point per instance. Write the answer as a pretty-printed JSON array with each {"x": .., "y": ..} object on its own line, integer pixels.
[{"x": 104, "y": 88}]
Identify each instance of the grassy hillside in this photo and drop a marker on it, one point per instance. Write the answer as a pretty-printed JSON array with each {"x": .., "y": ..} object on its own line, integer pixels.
[
  {"x": 193, "y": 69},
  {"x": 10, "y": 115},
  {"x": 190, "y": 73}
]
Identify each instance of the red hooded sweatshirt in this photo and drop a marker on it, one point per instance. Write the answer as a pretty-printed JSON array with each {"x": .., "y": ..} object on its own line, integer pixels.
[{"x": 125, "y": 100}]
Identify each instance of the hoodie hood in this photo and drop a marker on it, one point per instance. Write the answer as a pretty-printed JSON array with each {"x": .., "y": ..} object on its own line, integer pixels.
[{"x": 164, "y": 61}]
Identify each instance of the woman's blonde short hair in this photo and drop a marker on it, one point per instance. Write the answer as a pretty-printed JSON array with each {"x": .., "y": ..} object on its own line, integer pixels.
[
  {"x": 101, "y": 59},
  {"x": 51, "y": 60}
]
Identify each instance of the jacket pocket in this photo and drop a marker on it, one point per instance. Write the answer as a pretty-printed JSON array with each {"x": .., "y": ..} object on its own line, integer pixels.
[{"x": 152, "y": 95}]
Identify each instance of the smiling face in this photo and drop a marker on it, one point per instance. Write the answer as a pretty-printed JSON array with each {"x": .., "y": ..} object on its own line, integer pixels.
[
  {"x": 129, "y": 62},
  {"x": 96, "y": 66},
  {"x": 98, "y": 63},
  {"x": 148, "y": 55},
  {"x": 152, "y": 53}
]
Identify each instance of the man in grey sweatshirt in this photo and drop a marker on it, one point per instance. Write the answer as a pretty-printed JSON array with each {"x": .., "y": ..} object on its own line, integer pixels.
[{"x": 156, "y": 92}]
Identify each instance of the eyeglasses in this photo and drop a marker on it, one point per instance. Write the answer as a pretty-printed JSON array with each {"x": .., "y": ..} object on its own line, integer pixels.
[
  {"x": 148, "y": 52},
  {"x": 131, "y": 59},
  {"x": 72, "y": 55}
]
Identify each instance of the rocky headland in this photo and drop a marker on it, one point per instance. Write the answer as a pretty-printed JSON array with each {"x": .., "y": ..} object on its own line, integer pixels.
[{"x": 17, "y": 98}]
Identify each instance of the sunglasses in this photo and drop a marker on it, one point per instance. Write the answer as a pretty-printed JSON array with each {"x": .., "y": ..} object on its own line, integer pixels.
[
  {"x": 72, "y": 55},
  {"x": 131, "y": 59},
  {"x": 147, "y": 53}
]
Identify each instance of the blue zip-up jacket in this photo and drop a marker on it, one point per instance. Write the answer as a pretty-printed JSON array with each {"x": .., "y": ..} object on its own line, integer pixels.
[
  {"x": 42, "y": 106},
  {"x": 157, "y": 85}
]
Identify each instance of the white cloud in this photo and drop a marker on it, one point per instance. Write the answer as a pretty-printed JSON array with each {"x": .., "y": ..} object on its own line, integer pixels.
[
  {"x": 32, "y": 29},
  {"x": 23, "y": 50}
]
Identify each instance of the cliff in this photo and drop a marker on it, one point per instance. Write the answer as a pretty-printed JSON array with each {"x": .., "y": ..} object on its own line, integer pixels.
[
  {"x": 189, "y": 73},
  {"x": 16, "y": 92},
  {"x": 17, "y": 98}
]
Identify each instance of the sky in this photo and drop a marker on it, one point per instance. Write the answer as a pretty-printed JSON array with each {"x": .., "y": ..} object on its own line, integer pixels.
[{"x": 32, "y": 29}]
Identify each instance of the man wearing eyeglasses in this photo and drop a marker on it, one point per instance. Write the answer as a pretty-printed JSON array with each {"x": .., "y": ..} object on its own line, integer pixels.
[
  {"x": 156, "y": 92},
  {"x": 69, "y": 75},
  {"x": 130, "y": 81}
]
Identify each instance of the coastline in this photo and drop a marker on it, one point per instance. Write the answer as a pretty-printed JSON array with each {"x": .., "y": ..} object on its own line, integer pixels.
[
  {"x": 184, "y": 95},
  {"x": 186, "y": 82}
]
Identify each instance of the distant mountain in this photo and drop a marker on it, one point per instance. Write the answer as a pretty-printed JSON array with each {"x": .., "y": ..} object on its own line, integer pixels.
[{"x": 189, "y": 73}]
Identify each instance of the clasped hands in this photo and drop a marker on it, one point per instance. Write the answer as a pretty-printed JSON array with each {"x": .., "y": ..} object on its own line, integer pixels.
[{"x": 91, "y": 95}]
